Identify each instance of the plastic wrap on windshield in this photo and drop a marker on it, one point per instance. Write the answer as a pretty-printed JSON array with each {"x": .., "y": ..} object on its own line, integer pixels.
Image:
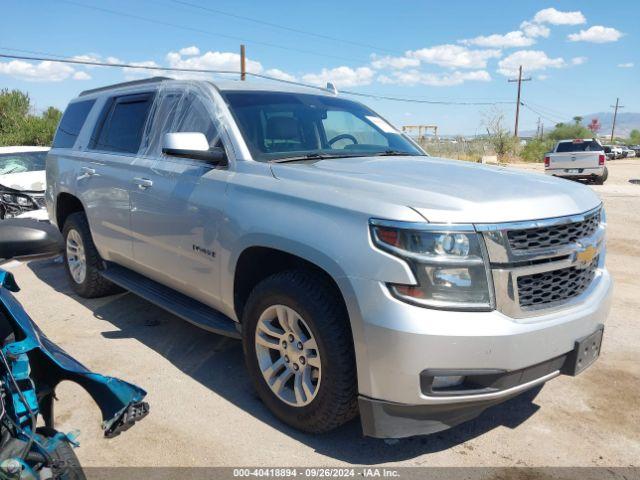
[{"x": 185, "y": 106}]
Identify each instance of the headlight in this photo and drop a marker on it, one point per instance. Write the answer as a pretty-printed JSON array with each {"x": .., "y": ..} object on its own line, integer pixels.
[{"x": 448, "y": 262}]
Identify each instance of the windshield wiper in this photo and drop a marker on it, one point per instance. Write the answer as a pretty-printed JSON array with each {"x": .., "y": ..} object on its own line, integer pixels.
[
  {"x": 394, "y": 153},
  {"x": 310, "y": 156}
]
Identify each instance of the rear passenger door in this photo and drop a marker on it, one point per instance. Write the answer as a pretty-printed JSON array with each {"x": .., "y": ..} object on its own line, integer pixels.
[
  {"x": 105, "y": 179},
  {"x": 178, "y": 203}
]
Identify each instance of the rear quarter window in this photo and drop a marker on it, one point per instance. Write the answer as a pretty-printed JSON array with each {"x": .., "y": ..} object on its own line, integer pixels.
[
  {"x": 122, "y": 124},
  {"x": 71, "y": 123}
]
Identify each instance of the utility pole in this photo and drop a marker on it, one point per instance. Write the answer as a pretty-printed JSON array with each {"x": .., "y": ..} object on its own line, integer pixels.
[
  {"x": 615, "y": 115},
  {"x": 243, "y": 63},
  {"x": 519, "y": 80},
  {"x": 538, "y": 134}
]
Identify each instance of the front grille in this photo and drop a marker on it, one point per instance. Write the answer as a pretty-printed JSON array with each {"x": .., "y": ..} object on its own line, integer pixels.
[
  {"x": 555, "y": 286},
  {"x": 553, "y": 236}
]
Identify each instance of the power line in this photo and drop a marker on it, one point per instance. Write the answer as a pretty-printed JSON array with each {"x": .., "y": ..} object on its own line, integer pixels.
[
  {"x": 61, "y": 59},
  {"x": 206, "y": 32},
  {"x": 527, "y": 106},
  {"x": 282, "y": 27},
  {"x": 545, "y": 112}
]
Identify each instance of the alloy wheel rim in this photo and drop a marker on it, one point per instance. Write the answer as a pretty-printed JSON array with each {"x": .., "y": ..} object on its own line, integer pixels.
[
  {"x": 288, "y": 355},
  {"x": 76, "y": 258}
]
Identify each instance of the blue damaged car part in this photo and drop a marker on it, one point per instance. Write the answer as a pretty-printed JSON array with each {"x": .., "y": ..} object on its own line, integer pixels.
[{"x": 31, "y": 366}]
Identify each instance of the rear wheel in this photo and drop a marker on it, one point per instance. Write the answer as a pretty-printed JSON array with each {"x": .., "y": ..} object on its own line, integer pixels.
[
  {"x": 603, "y": 178},
  {"x": 299, "y": 351},
  {"x": 82, "y": 260}
]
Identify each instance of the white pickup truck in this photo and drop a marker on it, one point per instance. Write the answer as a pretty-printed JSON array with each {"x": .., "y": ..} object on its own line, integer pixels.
[{"x": 580, "y": 158}]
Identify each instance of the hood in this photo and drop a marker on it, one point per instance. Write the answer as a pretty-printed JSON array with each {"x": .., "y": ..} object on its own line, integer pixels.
[
  {"x": 447, "y": 190},
  {"x": 24, "y": 181}
]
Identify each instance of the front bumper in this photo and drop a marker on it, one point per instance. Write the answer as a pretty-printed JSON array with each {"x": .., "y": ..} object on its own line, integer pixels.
[
  {"x": 575, "y": 172},
  {"x": 401, "y": 341}
]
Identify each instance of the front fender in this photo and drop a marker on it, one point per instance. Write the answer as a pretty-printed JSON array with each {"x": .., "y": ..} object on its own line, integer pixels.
[{"x": 120, "y": 402}]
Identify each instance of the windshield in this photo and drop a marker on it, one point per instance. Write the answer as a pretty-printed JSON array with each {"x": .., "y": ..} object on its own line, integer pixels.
[
  {"x": 279, "y": 126},
  {"x": 579, "y": 146},
  {"x": 22, "y": 162}
]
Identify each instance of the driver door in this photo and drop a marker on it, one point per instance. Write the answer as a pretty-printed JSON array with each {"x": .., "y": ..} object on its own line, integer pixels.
[{"x": 178, "y": 203}]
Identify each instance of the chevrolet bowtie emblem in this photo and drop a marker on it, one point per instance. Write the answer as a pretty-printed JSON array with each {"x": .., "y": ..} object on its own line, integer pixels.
[{"x": 585, "y": 257}]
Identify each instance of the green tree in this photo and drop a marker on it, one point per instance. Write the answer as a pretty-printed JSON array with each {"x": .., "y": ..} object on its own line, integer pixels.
[
  {"x": 565, "y": 131},
  {"x": 634, "y": 137},
  {"x": 577, "y": 119},
  {"x": 19, "y": 127}
]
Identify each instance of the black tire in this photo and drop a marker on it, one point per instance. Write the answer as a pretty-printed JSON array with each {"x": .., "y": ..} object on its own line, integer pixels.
[
  {"x": 310, "y": 295},
  {"x": 603, "y": 178},
  {"x": 94, "y": 285},
  {"x": 67, "y": 466}
]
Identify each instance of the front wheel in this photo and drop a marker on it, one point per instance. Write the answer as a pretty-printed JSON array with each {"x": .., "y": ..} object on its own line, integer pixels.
[
  {"x": 299, "y": 351},
  {"x": 66, "y": 465}
]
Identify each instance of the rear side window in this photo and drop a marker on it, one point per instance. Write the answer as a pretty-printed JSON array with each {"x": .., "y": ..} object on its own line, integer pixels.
[
  {"x": 579, "y": 146},
  {"x": 123, "y": 124},
  {"x": 71, "y": 123}
]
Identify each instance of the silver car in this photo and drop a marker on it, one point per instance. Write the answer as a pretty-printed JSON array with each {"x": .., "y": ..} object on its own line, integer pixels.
[{"x": 361, "y": 274}]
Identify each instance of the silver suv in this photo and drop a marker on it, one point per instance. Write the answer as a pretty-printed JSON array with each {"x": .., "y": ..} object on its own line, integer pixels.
[{"x": 361, "y": 274}]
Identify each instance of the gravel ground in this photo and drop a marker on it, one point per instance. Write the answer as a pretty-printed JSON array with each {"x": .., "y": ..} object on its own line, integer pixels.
[{"x": 204, "y": 412}]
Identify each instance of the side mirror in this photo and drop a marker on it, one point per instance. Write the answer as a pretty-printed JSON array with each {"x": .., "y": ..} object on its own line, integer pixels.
[
  {"x": 192, "y": 145},
  {"x": 22, "y": 237}
]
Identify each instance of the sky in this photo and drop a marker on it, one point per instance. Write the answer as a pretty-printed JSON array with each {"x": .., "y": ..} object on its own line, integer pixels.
[{"x": 580, "y": 55}]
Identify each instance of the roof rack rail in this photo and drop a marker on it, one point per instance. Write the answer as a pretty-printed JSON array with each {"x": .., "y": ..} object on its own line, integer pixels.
[{"x": 125, "y": 84}]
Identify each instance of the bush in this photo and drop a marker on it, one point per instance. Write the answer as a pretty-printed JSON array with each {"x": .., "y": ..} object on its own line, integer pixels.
[{"x": 534, "y": 150}]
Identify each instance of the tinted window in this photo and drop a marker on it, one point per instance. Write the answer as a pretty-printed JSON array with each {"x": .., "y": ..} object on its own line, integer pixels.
[
  {"x": 22, "y": 162},
  {"x": 123, "y": 124},
  {"x": 579, "y": 146},
  {"x": 71, "y": 123}
]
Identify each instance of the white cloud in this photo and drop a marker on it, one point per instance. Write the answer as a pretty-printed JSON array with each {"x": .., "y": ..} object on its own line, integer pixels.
[
  {"x": 341, "y": 76},
  {"x": 89, "y": 57},
  {"x": 135, "y": 73},
  {"x": 36, "y": 72},
  {"x": 415, "y": 77},
  {"x": 209, "y": 61},
  {"x": 542, "y": 77},
  {"x": 393, "y": 62},
  {"x": 531, "y": 60},
  {"x": 454, "y": 56},
  {"x": 534, "y": 30},
  {"x": 511, "y": 39},
  {"x": 556, "y": 17},
  {"x": 279, "y": 74},
  {"x": 578, "y": 60},
  {"x": 188, "y": 51},
  {"x": 626, "y": 65},
  {"x": 81, "y": 76},
  {"x": 596, "y": 34}
]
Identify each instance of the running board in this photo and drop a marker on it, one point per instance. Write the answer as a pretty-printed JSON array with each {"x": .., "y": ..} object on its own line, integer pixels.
[{"x": 175, "y": 302}]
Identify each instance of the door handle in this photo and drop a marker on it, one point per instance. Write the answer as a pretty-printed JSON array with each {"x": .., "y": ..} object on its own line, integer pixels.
[
  {"x": 143, "y": 183},
  {"x": 87, "y": 171}
]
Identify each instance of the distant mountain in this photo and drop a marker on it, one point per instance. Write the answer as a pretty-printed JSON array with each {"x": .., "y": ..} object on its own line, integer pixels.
[{"x": 625, "y": 122}]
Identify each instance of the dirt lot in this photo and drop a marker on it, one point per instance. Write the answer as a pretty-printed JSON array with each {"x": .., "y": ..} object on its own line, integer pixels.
[{"x": 203, "y": 410}]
